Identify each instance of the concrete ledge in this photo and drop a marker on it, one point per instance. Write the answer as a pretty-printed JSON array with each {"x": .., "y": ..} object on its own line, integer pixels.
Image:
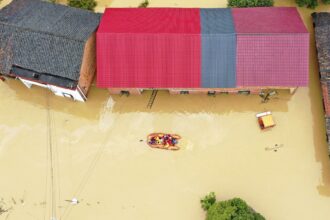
[
  {"x": 131, "y": 91},
  {"x": 177, "y": 91}
]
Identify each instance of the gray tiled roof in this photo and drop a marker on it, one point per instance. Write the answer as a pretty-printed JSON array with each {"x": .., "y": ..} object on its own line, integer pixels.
[
  {"x": 322, "y": 32},
  {"x": 44, "y": 37}
]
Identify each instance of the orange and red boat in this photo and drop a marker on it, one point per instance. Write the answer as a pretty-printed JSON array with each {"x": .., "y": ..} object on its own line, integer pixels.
[{"x": 163, "y": 141}]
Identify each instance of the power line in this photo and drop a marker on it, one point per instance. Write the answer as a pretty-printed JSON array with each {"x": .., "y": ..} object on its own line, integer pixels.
[{"x": 51, "y": 161}]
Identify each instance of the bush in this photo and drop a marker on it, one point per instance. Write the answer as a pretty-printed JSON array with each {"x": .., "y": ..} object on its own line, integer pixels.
[
  {"x": 250, "y": 3},
  {"x": 208, "y": 201},
  {"x": 83, "y": 4},
  {"x": 310, "y": 3},
  {"x": 307, "y": 3},
  {"x": 233, "y": 209},
  {"x": 144, "y": 4}
]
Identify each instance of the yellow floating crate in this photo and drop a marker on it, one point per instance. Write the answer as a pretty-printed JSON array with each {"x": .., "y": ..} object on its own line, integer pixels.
[{"x": 265, "y": 120}]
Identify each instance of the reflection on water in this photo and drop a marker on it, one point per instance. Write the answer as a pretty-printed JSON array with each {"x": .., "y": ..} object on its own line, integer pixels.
[{"x": 100, "y": 159}]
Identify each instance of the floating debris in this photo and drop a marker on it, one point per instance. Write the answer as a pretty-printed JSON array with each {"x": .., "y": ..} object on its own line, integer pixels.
[
  {"x": 274, "y": 148},
  {"x": 265, "y": 120},
  {"x": 3, "y": 210},
  {"x": 73, "y": 201},
  {"x": 266, "y": 95}
]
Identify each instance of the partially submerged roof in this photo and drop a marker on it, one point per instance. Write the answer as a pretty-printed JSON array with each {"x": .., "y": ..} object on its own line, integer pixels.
[
  {"x": 44, "y": 37},
  {"x": 322, "y": 38},
  {"x": 268, "y": 20},
  {"x": 202, "y": 48}
]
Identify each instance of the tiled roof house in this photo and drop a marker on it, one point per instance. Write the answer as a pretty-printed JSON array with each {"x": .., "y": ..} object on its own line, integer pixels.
[
  {"x": 322, "y": 39},
  {"x": 49, "y": 45}
]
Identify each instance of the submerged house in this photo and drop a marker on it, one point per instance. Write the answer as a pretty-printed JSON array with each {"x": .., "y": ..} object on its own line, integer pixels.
[
  {"x": 202, "y": 50},
  {"x": 322, "y": 37},
  {"x": 49, "y": 45}
]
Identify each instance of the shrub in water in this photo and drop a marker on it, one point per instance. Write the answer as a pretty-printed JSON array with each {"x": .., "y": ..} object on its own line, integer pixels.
[
  {"x": 307, "y": 3},
  {"x": 208, "y": 201},
  {"x": 84, "y": 4},
  {"x": 144, "y": 4},
  {"x": 250, "y": 3},
  {"x": 233, "y": 209}
]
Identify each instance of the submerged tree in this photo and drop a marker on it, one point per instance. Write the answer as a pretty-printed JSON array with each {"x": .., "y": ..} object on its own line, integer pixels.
[
  {"x": 233, "y": 209},
  {"x": 310, "y": 3},
  {"x": 83, "y": 4},
  {"x": 144, "y": 4}
]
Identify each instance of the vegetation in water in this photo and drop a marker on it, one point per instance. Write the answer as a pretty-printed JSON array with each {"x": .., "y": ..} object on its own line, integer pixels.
[
  {"x": 208, "y": 201},
  {"x": 250, "y": 3},
  {"x": 233, "y": 209},
  {"x": 83, "y": 4},
  {"x": 310, "y": 3},
  {"x": 144, "y": 4}
]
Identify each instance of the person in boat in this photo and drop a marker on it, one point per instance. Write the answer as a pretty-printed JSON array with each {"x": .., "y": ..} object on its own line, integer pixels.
[{"x": 170, "y": 141}]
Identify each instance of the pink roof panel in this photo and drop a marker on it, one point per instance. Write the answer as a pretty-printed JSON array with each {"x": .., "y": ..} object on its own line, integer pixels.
[
  {"x": 268, "y": 20},
  {"x": 272, "y": 60}
]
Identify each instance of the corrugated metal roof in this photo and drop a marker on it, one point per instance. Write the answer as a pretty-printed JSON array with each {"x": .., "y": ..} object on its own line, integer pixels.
[
  {"x": 268, "y": 20},
  {"x": 150, "y": 20},
  {"x": 149, "y": 48},
  {"x": 44, "y": 37},
  {"x": 185, "y": 48},
  {"x": 217, "y": 21},
  {"x": 273, "y": 60},
  {"x": 218, "y": 49},
  {"x": 148, "y": 60}
]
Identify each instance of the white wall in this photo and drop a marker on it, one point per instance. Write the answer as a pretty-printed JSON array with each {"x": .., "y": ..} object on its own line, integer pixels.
[{"x": 76, "y": 94}]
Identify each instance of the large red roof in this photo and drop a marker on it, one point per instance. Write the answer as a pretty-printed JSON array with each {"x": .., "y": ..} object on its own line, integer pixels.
[
  {"x": 268, "y": 20},
  {"x": 150, "y": 20},
  {"x": 149, "y": 48}
]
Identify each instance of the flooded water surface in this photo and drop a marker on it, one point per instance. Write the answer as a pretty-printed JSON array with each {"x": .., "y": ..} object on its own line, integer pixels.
[{"x": 53, "y": 150}]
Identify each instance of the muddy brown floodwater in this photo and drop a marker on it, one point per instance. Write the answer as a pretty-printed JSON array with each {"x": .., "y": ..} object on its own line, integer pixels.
[{"x": 96, "y": 156}]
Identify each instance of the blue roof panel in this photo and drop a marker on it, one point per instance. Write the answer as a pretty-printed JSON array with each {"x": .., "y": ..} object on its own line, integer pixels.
[
  {"x": 218, "y": 48},
  {"x": 217, "y": 21}
]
